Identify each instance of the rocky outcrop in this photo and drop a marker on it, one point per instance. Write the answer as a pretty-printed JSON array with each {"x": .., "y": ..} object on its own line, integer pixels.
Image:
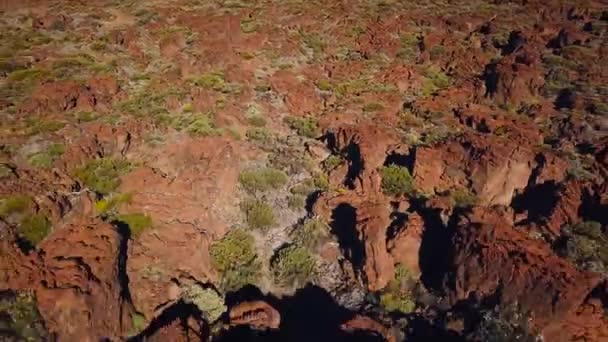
[
  {"x": 491, "y": 258},
  {"x": 257, "y": 314},
  {"x": 76, "y": 278},
  {"x": 493, "y": 169},
  {"x": 405, "y": 246}
]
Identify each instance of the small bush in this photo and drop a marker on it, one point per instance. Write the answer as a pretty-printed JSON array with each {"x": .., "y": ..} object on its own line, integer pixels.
[
  {"x": 259, "y": 214},
  {"x": 109, "y": 204},
  {"x": 396, "y": 180},
  {"x": 138, "y": 323},
  {"x": 293, "y": 265},
  {"x": 216, "y": 81},
  {"x": 249, "y": 25},
  {"x": 46, "y": 158},
  {"x": 34, "y": 228},
  {"x": 396, "y": 296},
  {"x": 306, "y": 127},
  {"x": 137, "y": 222},
  {"x": 207, "y": 300},
  {"x": 256, "y": 121},
  {"x": 262, "y": 180},
  {"x": 435, "y": 80},
  {"x": 296, "y": 201},
  {"x": 102, "y": 175},
  {"x": 196, "y": 124},
  {"x": 311, "y": 233},
  {"x": 373, "y": 107},
  {"x": 35, "y": 126},
  {"x": 13, "y": 205},
  {"x": 260, "y": 135},
  {"x": 409, "y": 48},
  {"x": 20, "y": 319},
  {"x": 234, "y": 256},
  {"x": 332, "y": 162},
  {"x": 590, "y": 229},
  {"x": 463, "y": 198}
]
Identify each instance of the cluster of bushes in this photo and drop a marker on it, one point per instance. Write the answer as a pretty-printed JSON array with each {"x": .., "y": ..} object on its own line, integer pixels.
[
  {"x": 32, "y": 228},
  {"x": 102, "y": 175},
  {"x": 396, "y": 297},
  {"x": 207, "y": 300},
  {"x": 586, "y": 245},
  {"x": 293, "y": 266},
  {"x": 306, "y": 127},
  {"x": 262, "y": 180},
  {"x": 235, "y": 257},
  {"x": 45, "y": 159},
  {"x": 20, "y": 319}
]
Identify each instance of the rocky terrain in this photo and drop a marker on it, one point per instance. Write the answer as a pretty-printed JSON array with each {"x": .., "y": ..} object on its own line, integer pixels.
[{"x": 295, "y": 170}]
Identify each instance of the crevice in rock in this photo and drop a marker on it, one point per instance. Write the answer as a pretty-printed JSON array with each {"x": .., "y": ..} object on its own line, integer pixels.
[
  {"x": 344, "y": 227},
  {"x": 355, "y": 164},
  {"x": 538, "y": 200},
  {"x": 126, "y": 307}
]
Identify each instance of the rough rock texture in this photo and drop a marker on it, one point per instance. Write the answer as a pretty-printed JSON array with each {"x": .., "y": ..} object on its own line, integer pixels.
[
  {"x": 404, "y": 247},
  {"x": 76, "y": 279},
  {"x": 494, "y": 169},
  {"x": 257, "y": 314},
  {"x": 186, "y": 221},
  {"x": 490, "y": 257}
]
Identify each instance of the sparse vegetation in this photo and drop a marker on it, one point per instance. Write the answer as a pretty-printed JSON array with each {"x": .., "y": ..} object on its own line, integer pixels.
[
  {"x": 196, "y": 124},
  {"x": 262, "y": 180},
  {"x": 13, "y": 205},
  {"x": 396, "y": 180},
  {"x": 296, "y": 201},
  {"x": 396, "y": 296},
  {"x": 463, "y": 197},
  {"x": 409, "y": 48},
  {"x": 260, "y": 135},
  {"x": 235, "y": 257},
  {"x": 293, "y": 266},
  {"x": 102, "y": 175},
  {"x": 107, "y": 205},
  {"x": 306, "y": 127},
  {"x": 586, "y": 245},
  {"x": 138, "y": 323},
  {"x": 46, "y": 158},
  {"x": 435, "y": 80},
  {"x": 311, "y": 233},
  {"x": 373, "y": 107},
  {"x": 20, "y": 319},
  {"x": 138, "y": 223},
  {"x": 259, "y": 214},
  {"x": 332, "y": 162},
  {"x": 34, "y": 228},
  {"x": 207, "y": 300}
]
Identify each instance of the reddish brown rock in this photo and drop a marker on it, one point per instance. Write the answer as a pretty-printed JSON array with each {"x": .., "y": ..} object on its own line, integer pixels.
[
  {"x": 365, "y": 323},
  {"x": 405, "y": 246},
  {"x": 493, "y": 168},
  {"x": 257, "y": 314},
  {"x": 491, "y": 257}
]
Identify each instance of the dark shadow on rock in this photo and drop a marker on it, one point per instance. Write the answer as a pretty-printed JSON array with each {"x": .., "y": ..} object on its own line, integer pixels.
[
  {"x": 436, "y": 245},
  {"x": 344, "y": 226},
  {"x": 538, "y": 200},
  {"x": 311, "y": 314},
  {"x": 405, "y": 160},
  {"x": 355, "y": 164},
  {"x": 179, "y": 311}
]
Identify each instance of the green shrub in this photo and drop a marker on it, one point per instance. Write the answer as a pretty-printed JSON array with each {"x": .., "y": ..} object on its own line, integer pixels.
[
  {"x": 373, "y": 107},
  {"x": 311, "y": 233},
  {"x": 396, "y": 180},
  {"x": 46, "y": 158},
  {"x": 102, "y": 175},
  {"x": 409, "y": 48},
  {"x": 35, "y": 126},
  {"x": 249, "y": 25},
  {"x": 34, "y": 228},
  {"x": 138, "y": 323},
  {"x": 463, "y": 198},
  {"x": 318, "y": 183},
  {"x": 207, "y": 300},
  {"x": 591, "y": 229},
  {"x": 434, "y": 81},
  {"x": 109, "y": 204},
  {"x": 262, "y": 180},
  {"x": 296, "y": 201},
  {"x": 196, "y": 124},
  {"x": 257, "y": 121},
  {"x": 306, "y": 127},
  {"x": 259, "y": 214},
  {"x": 235, "y": 257},
  {"x": 332, "y": 162},
  {"x": 216, "y": 81},
  {"x": 396, "y": 297},
  {"x": 13, "y": 204},
  {"x": 293, "y": 265},
  {"x": 260, "y": 135},
  {"x": 20, "y": 319},
  {"x": 137, "y": 222}
]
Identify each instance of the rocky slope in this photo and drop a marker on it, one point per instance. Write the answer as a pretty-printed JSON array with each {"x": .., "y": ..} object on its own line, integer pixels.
[{"x": 304, "y": 170}]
